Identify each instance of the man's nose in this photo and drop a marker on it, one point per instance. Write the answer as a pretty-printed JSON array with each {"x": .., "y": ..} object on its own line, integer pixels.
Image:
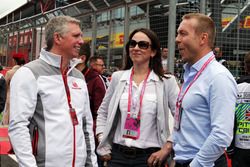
[
  {"x": 177, "y": 39},
  {"x": 81, "y": 41}
]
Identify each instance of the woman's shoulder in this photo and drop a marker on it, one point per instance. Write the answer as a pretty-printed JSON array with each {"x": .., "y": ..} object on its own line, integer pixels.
[
  {"x": 170, "y": 79},
  {"x": 119, "y": 74},
  {"x": 168, "y": 76}
]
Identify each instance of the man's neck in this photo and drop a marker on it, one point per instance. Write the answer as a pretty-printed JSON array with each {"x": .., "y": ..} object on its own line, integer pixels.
[
  {"x": 64, "y": 60},
  {"x": 81, "y": 66},
  {"x": 199, "y": 56}
]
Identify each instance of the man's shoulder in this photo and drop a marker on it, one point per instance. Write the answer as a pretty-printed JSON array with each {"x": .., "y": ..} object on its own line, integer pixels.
[
  {"x": 216, "y": 68},
  {"x": 40, "y": 67},
  {"x": 33, "y": 63},
  {"x": 92, "y": 74}
]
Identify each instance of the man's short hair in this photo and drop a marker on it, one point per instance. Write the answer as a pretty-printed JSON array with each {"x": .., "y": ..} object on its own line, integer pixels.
[
  {"x": 93, "y": 59},
  {"x": 58, "y": 24},
  {"x": 205, "y": 25}
]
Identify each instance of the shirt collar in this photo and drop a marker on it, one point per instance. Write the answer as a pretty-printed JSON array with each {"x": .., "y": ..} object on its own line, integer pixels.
[{"x": 198, "y": 65}]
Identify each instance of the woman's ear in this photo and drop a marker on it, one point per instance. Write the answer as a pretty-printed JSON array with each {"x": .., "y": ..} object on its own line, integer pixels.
[{"x": 153, "y": 53}]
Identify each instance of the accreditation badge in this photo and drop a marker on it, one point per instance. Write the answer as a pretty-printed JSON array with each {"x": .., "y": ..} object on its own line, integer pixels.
[
  {"x": 242, "y": 112},
  {"x": 131, "y": 128},
  {"x": 177, "y": 117},
  {"x": 73, "y": 116}
]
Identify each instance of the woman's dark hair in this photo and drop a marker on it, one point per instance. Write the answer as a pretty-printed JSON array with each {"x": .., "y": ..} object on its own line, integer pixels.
[{"x": 154, "y": 62}]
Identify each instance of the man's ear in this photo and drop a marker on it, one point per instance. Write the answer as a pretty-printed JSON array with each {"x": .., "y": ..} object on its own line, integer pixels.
[
  {"x": 57, "y": 38},
  {"x": 204, "y": 38}
]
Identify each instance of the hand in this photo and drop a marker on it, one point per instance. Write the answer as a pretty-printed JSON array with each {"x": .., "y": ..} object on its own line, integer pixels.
[
  {"x": 106, "y": 157},
  {"x": 158, "y": 157},
  {"x": 99, "y": 137}
]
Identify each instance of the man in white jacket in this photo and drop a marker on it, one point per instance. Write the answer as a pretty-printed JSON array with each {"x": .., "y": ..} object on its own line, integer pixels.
[{"x": 50, "y": 118}]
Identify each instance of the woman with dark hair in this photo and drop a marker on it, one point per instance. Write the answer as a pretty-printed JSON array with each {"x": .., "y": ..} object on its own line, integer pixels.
[
  {"x": 154, "y": 61},
  {"x": 133, "y": 119}
]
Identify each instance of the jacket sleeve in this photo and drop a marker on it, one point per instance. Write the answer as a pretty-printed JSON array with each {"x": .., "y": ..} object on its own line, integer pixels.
[
  {"x": 2, "y": 93},
  {"x": 23, "y": 98},
  {"x": 91, "y": 160},
  {"x": 172, "y": 92}
]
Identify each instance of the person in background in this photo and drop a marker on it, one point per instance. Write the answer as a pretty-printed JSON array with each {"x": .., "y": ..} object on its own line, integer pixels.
[
  {"x": 97, "y": 64},
  {"x": 205, "y": 106},
  {"x": 246, "y": 77},
  {"x": 19, "y": 61},
  {"x": 218, "y": 56},
  {"x": 239, "y": 151},
  {"x": 96, "y": 84},
  {"x": 133, "y": 119},
  {"x": 50, "y": 118},
  {"x": 164, "y": 59},
  {"x": 3, "y": 90}
]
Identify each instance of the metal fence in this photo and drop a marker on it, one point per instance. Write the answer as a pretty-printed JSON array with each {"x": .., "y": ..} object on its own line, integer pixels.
[{"x": 106, "y": 25}]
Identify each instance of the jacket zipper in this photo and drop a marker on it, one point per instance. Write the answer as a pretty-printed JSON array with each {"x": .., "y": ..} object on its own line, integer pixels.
[{"x": 64, "y": 76}]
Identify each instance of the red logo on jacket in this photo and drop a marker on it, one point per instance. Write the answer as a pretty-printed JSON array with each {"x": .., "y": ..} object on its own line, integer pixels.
[{"x": 75, "y": 85}]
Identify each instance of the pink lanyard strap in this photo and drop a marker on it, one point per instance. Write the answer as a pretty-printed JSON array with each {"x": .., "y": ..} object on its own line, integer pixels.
[
  {"x": 141, "y": 95},
  {"x": 179, "y": 99}
]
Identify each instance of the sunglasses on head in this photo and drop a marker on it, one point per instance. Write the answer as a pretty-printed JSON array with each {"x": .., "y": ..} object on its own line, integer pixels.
[{"x": 141, "y": 44}]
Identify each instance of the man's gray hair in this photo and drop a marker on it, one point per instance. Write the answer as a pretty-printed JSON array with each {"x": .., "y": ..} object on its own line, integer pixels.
[{"x": 58, "y": 24}]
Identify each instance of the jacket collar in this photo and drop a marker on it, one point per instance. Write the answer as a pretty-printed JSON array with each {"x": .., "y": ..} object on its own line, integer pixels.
[{"x": 54, "y": 59}]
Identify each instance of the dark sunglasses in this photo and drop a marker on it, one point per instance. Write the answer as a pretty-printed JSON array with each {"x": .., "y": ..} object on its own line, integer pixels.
[{"x": 141, "y": 44}]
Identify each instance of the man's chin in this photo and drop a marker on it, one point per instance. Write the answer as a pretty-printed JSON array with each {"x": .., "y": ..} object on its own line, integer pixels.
[
  {"x": 74, "y": 56},
  {"x": 184, "y": 60}
]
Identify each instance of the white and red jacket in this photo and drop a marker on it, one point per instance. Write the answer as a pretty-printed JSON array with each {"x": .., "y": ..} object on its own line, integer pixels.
[{"x": 41, "y": 130}]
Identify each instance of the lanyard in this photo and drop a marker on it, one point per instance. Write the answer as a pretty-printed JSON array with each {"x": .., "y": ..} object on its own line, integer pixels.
[
  {"x": 71, "y": 109},
  {"x": 141, "y": 95},
  {"x": 64, "y": 75},
  {"x": 180, "y": 98}
]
